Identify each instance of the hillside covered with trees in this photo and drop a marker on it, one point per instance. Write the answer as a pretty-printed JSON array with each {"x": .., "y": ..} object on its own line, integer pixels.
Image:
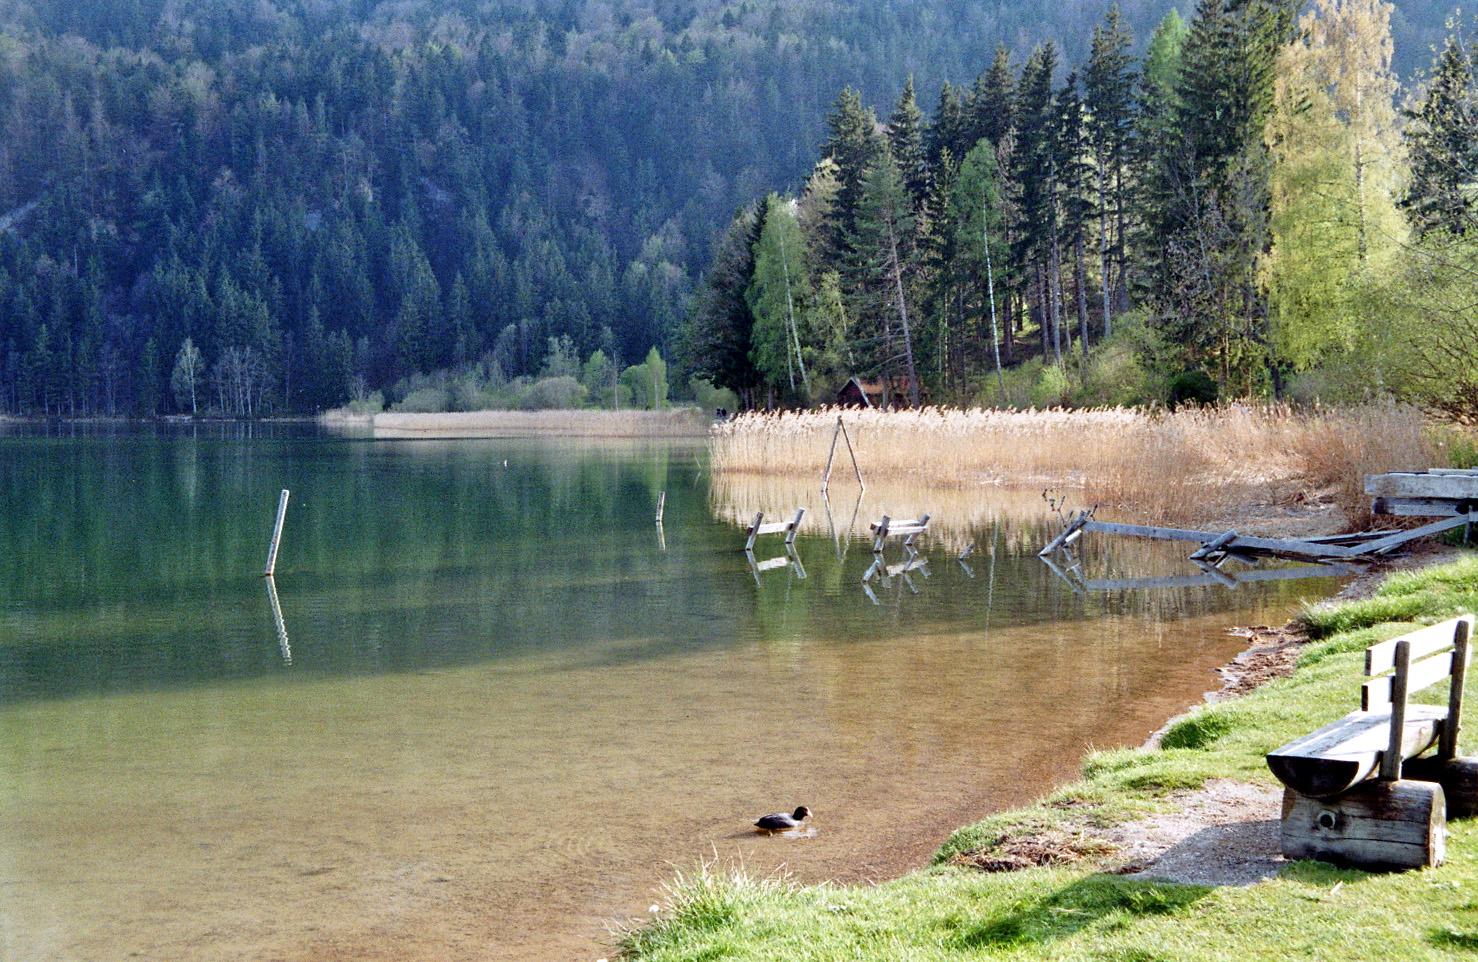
[
  {"x": 277, "y": 206},
  {"x": 1241, "y": 211}
]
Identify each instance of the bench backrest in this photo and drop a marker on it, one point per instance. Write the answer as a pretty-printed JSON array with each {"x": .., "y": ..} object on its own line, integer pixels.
[{"x": 1403, "y": 666}]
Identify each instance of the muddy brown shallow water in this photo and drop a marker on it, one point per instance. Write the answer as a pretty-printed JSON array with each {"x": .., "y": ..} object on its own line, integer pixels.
[{"x": 527, "y": 811}]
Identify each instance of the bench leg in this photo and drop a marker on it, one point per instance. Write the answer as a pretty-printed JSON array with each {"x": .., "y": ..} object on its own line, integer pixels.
[
  {"x": 1376, "y": 826},
  {"x": 1457, "y": 776}
]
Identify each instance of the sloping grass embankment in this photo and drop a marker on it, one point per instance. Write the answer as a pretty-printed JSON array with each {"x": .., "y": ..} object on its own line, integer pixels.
[{"x": 1310, "y": 911}]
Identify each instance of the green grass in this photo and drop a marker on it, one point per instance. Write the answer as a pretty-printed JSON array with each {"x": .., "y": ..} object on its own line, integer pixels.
[{"x": 949, "y": 912}]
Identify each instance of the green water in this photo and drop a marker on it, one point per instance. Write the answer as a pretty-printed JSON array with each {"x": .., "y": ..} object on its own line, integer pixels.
[{"x": 487, "y": 705}]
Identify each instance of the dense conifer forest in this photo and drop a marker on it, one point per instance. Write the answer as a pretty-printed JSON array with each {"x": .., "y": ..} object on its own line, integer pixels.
[{"x": 253, "y": 207}]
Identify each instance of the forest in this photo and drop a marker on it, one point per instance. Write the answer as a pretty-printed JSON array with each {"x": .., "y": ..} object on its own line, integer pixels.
[{"x": 255, "y": 207}]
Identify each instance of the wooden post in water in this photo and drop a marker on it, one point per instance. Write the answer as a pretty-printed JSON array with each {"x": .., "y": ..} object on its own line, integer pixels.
[
  {"x": 276, "y": 534},
  {"x": 840, "y": 432},
  {"x": 661, "y": 505}
]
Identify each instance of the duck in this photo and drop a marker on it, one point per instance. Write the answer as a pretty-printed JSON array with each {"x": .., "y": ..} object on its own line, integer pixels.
[{"x": 779, "y": 821}]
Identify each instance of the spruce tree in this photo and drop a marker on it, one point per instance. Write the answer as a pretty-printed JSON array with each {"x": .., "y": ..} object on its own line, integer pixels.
[
  {"x": 854, "y": 145},
  {"x": 1442, "y": 142},
  {"x": 1108, "y": 96},
  {"x": 721, "y": 324},
  {"x": 906, "y": 141}
]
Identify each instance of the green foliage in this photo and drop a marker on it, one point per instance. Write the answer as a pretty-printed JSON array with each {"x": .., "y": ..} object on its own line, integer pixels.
[
  {"x": 1052, "y": 387},
  {"x": 425, "y": 400},
  {"x": 328, "y": 201},
  {"x": 647, "y": 382},
  {"x": 551, "y": 392},
  {"x": 780, "y": 298},
  {"x": 1192, "y": 387},
  {"x": 710, "y": 398}
]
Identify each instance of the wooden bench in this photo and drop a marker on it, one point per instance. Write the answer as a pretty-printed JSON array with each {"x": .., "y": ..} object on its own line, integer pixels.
[
  {"x": 1357, "y": 793},
  {"x": 787, "y": 528},
  {"x": 886, "y": 528}
]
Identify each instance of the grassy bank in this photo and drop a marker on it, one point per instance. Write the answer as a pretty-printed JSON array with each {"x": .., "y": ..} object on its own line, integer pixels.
[
  {"x": 1156, "y": 465},
  {"x": 1077, "y": 911}
]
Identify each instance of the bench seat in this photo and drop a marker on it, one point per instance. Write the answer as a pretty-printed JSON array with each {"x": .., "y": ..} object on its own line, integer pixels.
[{"x": 1347, "y": 751}]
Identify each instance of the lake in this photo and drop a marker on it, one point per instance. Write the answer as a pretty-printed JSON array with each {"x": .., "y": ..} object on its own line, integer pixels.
[{"x": 487, "y": 705}]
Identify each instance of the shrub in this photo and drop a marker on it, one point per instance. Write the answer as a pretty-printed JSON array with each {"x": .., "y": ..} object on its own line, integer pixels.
[
  {"x": 426, "y": 400},
  {"x": 551, "y": 393}
]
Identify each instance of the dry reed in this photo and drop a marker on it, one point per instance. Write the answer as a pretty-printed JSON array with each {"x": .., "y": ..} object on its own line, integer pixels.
[{"x": 1153, "y": 465}]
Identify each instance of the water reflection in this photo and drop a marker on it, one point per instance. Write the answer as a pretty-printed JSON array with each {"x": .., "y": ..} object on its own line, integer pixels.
[{"x": 480, "y": 671}]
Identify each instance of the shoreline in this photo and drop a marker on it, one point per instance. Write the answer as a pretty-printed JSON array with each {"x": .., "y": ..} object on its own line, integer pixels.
[
  {"x": 1224, "y": 833},
  {"x": 624, "y": 424}
]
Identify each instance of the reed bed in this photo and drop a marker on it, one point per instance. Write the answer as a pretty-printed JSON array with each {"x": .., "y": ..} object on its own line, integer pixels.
[
  {"x": 957, "y": 514},
  {"x": 1156, "y": 466}
]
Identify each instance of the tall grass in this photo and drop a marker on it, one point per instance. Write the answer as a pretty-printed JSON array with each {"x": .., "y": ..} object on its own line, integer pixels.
[{"x": 1155, "y": 465}]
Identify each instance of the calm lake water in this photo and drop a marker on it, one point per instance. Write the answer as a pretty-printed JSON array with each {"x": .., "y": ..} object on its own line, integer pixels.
[{"x": 487, "y": 706}]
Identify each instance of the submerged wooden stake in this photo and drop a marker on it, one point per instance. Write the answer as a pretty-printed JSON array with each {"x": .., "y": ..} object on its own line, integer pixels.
[{"x": 276, "y": 534}]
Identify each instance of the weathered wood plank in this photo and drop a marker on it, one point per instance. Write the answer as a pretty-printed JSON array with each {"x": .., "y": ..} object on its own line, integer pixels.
[
  {"x": 902, "y": 527},
  {"x": 1213, "y": 546},
  {"x": 1416, "y": 507},
  {"x": 1391, "y": 542},
  {"x": 1288, "y": 547},
  {"x": 1381, "y": 657},
  {"x": 1071, "y": 530},
  {"x": 1347, "y": 751},
  {"x": 1376, "y": 826},
  {"x": 787, "y": 528},
  {"x": 1456, "y": 487},
  {"x": 1378, "y": 692}
]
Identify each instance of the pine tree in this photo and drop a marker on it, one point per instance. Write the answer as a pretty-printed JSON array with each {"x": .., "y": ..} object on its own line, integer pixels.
[
  {"x": 948, "y": 130},
  {"x": 1211, "y": 202},
  {"x": 1442, "y": 140},
  {"x": 906, "y": 141},
  {"x": 721, "y": 324},
  {"x": 990, "y": 108},
  {"x": 1036, "y": 177},
  {"x": 854, "y": 145},
  {"x": 1108, "y": 96}
]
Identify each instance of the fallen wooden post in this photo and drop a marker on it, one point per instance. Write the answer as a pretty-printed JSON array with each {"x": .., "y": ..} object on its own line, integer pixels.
[
  {"x": 1073, "y": 527},
  {"x": 1212, "y": 547},
  {"x": 1352, "y": 547}
]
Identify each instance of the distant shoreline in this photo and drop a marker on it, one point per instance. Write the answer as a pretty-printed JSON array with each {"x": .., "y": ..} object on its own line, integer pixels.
[{"x": 677, "y": 423}]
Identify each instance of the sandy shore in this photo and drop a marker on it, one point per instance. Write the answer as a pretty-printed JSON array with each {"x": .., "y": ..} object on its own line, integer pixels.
[{"x": 676, "y": 423}]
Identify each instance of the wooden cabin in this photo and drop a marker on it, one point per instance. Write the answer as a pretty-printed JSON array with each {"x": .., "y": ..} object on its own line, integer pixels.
[{"x": 891, "y": 393}]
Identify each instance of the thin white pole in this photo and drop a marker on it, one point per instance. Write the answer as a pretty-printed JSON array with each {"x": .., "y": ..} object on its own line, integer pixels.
[{"x": 276, "y": 534}]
